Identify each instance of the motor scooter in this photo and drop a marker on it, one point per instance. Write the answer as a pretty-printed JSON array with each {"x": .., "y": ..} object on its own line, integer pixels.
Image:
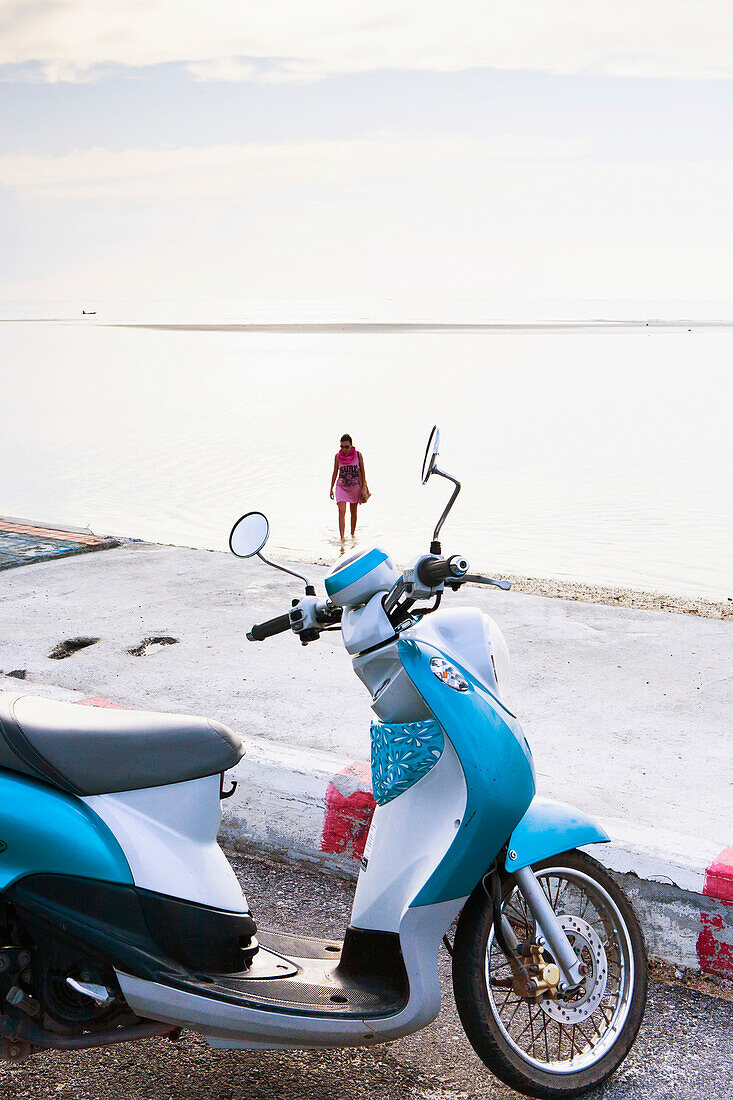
[{"x": 121, "y": 918}]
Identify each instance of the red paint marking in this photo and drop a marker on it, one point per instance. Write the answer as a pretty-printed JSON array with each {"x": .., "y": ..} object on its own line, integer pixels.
[
  {"x": 98, "y": 701},
  {"x": 349, "y": 808},
  {"x": 715, "y": 941},
  {"x": 715, "y": 945},
  {"x": 719, "y": 877}
]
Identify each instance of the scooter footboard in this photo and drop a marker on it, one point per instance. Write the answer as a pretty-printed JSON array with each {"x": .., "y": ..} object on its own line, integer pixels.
[{"x": 245, "y": 1013}]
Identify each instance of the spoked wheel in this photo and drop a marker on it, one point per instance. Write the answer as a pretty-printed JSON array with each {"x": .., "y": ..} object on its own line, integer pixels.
[{"x": 554, "y": 1044}]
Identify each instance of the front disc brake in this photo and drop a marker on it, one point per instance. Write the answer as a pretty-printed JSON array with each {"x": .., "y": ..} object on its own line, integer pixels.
[{"x": 582, "y": 1003}]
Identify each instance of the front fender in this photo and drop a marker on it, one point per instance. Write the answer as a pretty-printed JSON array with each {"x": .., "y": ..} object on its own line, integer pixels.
[{"x": 548, "y": 828}]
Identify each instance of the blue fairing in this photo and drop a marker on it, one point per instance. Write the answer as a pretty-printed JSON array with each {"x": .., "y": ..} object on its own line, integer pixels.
[
  {"x": 548, "y": 828},
  {"x": 42, "y": 829},
  {"x": 496, "y": 763},
  {"x": 354, "y": 571}
]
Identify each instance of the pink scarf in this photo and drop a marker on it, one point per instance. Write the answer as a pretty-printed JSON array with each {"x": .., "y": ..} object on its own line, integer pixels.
[{"x": 347, "y": 459}]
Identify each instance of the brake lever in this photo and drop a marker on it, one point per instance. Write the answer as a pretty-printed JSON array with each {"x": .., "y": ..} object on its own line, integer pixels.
[{"x": 478, "y": 578}]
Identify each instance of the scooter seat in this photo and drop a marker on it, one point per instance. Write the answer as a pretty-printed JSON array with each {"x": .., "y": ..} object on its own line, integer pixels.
[{"x": 87, "y": 750}]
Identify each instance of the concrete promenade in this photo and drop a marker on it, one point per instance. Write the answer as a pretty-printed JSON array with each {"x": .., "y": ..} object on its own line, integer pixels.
[{"x": 628, "y": 712}]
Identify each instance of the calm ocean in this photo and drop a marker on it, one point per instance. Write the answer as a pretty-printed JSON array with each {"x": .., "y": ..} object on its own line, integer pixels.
[{"x": 596, "y": 454}]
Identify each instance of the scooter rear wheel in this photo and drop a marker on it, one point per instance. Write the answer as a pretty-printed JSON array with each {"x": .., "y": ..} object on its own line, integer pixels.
[{"x": 554, "y": 1047}]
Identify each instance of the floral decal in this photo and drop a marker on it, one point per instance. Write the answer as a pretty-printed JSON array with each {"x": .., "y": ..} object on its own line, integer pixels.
[{"x": 402, "y": 753}]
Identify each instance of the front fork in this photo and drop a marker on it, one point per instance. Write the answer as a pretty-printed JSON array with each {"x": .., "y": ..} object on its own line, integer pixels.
[
  {"x": 550, "y": 928},
  {"x": 549, "y": 932}
]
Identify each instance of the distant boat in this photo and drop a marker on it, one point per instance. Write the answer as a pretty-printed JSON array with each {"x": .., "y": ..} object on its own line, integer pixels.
[{"x": 89, "y": 312}]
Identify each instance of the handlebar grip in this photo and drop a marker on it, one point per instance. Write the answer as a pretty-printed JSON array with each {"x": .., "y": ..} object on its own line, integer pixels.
[
  {"x": 433, "y": 571},
  {"x": 270, "y": 627}
]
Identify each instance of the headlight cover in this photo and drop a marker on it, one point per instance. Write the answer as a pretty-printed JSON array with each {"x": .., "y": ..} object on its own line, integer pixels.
[{"x": 448, "y": 674}]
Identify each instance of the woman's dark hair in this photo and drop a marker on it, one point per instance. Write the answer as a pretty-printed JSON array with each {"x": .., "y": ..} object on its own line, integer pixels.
[{"x": 346, "y": 438}]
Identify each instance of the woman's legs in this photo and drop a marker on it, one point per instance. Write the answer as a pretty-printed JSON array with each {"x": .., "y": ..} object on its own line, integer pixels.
[
  {"x": 342, "y": 517},
  {"x": 353, "y": 518}
]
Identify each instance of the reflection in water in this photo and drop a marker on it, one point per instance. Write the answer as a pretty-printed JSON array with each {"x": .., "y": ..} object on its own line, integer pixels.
[{"x": 599, "y": 456}]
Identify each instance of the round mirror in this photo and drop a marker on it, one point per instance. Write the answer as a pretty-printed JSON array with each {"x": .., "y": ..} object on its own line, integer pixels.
[
  {"x": 249, "y": 535},
  {"x": 431, "y": 453}
]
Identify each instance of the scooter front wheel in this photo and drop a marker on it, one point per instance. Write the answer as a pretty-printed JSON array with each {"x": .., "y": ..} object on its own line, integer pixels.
[{"x": 553, "y": 1045}]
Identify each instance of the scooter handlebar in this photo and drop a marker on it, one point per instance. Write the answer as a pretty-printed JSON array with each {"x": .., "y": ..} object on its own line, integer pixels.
[
  {"x": 259, "y": 631},
  {"x": 433, "y": 571}
]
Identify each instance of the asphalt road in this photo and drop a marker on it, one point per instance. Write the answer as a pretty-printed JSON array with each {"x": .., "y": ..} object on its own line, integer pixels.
[{"x": 684, "y": 1050}]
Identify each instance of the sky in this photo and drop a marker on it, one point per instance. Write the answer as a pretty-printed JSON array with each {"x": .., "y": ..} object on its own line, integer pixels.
[{"x": 482, "y": 151}]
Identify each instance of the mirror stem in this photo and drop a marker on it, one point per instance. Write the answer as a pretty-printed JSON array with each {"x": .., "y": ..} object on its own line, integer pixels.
[
  {"x": 309, "y": 589},
  {"x": 435, "y": 545}
]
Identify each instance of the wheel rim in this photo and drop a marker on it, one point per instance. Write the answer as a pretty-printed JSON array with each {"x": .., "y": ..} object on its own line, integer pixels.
[{"x": 558, "y": 1036}]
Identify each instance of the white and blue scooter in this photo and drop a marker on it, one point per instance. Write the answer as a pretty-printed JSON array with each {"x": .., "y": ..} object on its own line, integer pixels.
[{"x": 121, "y": 918}]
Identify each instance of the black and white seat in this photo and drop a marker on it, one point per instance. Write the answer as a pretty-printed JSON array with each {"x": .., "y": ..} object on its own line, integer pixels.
[{"x": 87, "y": 750}]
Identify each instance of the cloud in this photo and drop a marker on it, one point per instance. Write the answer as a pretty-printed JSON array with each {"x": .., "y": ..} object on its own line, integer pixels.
[
  {"x": 292, "y": 40},
  {"x": 239, "y": 170},
  {"x": 364, "y": 219}
]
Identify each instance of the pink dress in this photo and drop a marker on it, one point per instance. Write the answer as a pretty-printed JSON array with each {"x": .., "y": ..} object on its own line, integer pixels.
[{"x": 348, "y": 486}]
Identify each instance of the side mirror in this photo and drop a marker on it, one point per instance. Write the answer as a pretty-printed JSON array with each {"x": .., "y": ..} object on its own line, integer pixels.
[
  {"x": 429, "y": 467},
  {"x": 249, "y": 534},
  {"x": 431, "y": 454},
  {"x": 247, "y": 537}
]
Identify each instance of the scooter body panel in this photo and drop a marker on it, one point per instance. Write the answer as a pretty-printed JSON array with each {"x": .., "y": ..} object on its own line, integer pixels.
[
  {"x": 168, "y": 835},
  {"x": 497, "y": 767},
  {"x": 408, "y": 838},
  {"x": 46, "y": 830},
  {"x": 548, "y": 828}
]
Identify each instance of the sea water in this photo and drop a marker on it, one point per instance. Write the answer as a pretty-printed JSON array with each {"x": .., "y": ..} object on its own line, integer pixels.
[{"x": 594, "y": 454}]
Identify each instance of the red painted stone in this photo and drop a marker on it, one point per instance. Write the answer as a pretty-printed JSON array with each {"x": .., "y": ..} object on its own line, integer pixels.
[
  {"x": 719, "y": 877},
  {"x": 715, "y": 941},
  {"x": 349, "y": 809}
]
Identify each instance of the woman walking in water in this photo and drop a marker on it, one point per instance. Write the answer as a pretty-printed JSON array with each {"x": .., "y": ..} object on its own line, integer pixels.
[{"x": 350, "y": 481}]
